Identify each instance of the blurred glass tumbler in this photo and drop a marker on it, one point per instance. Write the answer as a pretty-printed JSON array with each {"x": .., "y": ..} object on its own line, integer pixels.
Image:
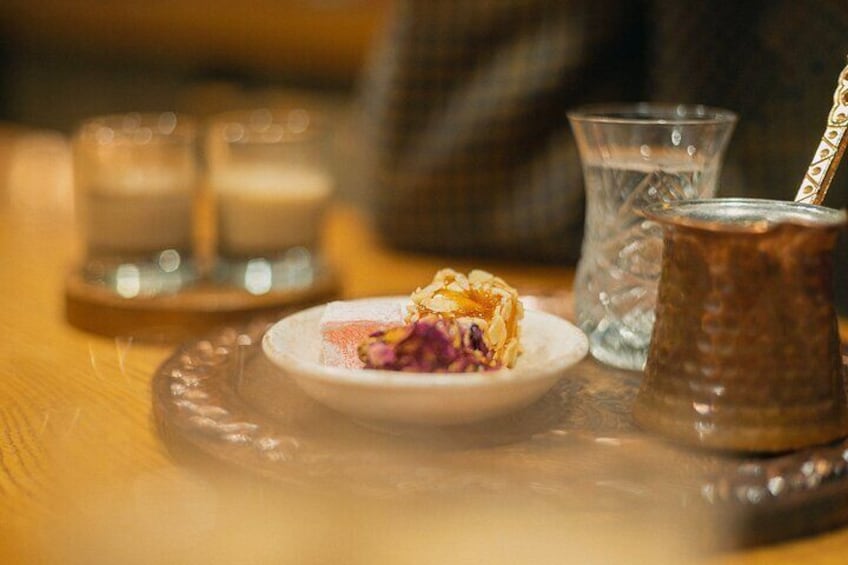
[
  {"x": 268, "y": 174},
  {"x": 135, "y": 181},
  {"x": 634, "y": 155}
]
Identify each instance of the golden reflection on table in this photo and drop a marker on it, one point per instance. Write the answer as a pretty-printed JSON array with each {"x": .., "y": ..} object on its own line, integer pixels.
[{"x": 84, "y": 477}]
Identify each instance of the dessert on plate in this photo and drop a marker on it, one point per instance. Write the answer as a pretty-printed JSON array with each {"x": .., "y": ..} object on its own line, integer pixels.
[
  {"x": 458, "y": 350},
  {"x": 457, "y": 323}
]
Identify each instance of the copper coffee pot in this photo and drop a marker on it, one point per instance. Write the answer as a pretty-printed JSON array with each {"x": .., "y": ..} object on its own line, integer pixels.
[{"x": 745, "y": 351}]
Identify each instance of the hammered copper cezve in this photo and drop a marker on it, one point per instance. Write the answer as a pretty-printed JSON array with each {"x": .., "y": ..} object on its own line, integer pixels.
[{"x": 745, "y": 352}]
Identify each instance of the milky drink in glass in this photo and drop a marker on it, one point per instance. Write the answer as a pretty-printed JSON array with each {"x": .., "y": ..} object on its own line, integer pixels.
[
  {"x": 264, "y": 209},
  {"x": 136, "y": 178},
  {"x": 123, "y": 207},
  {"x": 633, "y": 157},
  {"x": 271, "y": 184}
]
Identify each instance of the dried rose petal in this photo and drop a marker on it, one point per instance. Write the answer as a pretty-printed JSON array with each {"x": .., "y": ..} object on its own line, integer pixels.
[{"x": 430, "y": 345}]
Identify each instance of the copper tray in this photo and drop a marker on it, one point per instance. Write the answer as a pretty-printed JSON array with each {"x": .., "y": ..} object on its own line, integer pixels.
[{"x": 577, "y": 447}]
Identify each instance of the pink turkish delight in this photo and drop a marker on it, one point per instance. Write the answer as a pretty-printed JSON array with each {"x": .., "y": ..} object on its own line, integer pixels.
[{"x": 344, "y": 325}]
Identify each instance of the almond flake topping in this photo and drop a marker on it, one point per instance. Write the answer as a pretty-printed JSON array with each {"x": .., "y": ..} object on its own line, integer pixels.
[{"x": 479, "y": 298}]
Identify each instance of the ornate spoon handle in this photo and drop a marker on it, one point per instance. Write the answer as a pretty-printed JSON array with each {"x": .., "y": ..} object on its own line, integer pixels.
[{"x": 831, "y": 147}]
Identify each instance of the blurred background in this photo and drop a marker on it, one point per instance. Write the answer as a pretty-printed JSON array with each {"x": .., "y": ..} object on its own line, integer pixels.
[{"x": 64, "y": 60}]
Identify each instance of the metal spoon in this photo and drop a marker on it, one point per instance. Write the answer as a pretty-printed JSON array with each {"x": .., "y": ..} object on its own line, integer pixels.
[{"x": 831, "y": 147}]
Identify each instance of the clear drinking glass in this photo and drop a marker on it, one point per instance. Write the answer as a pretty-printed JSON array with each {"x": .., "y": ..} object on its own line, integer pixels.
[
  {"x": 136, "y": 178},
  {"x": 634, "y": 155},
  {"x": 271, "y": 184}
]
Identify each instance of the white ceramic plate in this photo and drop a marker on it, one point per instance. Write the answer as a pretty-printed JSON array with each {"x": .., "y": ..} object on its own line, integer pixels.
[{"x": 551, "y": 345}]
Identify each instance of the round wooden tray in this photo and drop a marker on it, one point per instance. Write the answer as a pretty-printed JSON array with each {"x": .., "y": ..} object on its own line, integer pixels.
[
  {"x": 194, "y": 310},
  {"x": 218, "y": 396}
]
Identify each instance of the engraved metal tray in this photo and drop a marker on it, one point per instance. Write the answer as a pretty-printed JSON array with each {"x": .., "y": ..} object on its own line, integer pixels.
[{"x": 577, "y": 447}]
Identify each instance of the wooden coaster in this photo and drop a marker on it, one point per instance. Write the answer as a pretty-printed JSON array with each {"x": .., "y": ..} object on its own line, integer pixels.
[{"x": 172, "y": 317}]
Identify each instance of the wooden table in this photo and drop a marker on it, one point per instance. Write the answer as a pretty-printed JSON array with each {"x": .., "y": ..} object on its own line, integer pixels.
[{"x": 85, "y": 478}]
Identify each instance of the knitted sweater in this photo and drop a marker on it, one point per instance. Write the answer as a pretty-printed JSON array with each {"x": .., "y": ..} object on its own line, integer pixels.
[{"x": 465, "y": 105}]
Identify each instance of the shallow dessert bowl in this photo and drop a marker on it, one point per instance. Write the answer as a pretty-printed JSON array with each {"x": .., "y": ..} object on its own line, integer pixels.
[{"x": 551, "y": 346}]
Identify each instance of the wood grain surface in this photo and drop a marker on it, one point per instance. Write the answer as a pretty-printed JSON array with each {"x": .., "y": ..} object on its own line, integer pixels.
[{"x": 85, "y": 478}]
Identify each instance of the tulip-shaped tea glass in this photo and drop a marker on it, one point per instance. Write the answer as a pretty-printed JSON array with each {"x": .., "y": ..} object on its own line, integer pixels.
[{"x": 633, "y": 156}]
